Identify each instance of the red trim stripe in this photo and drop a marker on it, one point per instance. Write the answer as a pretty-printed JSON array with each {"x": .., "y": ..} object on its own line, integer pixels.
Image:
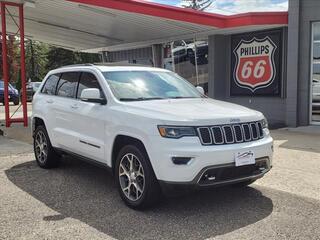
[{"x": 191, "y": 16}]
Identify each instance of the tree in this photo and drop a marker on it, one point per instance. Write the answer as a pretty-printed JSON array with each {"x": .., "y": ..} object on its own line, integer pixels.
[
  {"x": 58, "y": 57},
  {"x": 200, "y": 5},
  {"x": 36, "y": 60},
  {"x": 40, "y": 58},
  {"x": 13, "y": 52}
]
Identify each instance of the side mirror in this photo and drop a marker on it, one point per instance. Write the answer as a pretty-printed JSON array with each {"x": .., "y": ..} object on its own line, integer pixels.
[
  {"x": 200, "y": 89},
  {"x": 92, "y": 95}
]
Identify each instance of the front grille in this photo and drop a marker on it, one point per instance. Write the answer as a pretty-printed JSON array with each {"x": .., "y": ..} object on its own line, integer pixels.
[
  {"x": 220, "y": 174},
  {"x": 217, "y": 135},
  {"x": 205, "y": 134},
  {"x": 231, "y": 133}
]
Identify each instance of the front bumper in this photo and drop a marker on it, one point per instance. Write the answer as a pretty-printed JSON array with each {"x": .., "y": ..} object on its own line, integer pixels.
[
  {"x": 162, "y": 150},
  {"x": 216, "y": 176}
]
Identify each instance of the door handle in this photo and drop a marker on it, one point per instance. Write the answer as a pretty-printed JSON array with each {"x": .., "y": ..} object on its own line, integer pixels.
[{"x": 49, "y": 101}]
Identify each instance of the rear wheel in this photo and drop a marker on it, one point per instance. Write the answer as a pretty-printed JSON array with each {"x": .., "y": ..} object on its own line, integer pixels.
[
  {"x": 136, "y": 181},
  {"x": 46, "y": 156}
]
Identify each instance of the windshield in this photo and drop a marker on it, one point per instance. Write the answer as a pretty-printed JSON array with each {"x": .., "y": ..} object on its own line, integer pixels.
[
  {"x": 148, "y": 85},
  {"x": 2, "y": 85}
]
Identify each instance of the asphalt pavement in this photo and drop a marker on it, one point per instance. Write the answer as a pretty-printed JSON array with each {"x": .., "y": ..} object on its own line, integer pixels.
[{"x": 80, "y": 201}]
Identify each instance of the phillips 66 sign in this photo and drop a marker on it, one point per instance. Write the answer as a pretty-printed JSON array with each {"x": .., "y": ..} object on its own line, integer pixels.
[{"x": 256, "y": 64}]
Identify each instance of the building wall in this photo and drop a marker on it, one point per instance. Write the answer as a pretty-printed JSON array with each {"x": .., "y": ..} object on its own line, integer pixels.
[
  {"x": 274, "y": 108},
  {"x": 293, "y": 64},
  {"x": 309, "y": 11},
  {"x": 140, "y": 55}
]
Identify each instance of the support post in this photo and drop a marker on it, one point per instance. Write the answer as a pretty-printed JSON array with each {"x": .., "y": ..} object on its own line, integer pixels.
[
  {"x": 23, "y": 67},
  {"x": 5, "y": 63},
  {"x": 3, "y": 9}
]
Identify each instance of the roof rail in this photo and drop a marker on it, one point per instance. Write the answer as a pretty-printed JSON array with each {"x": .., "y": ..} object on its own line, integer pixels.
[
  {"x": 106, "y": 64},
  {"x": 120, "y": 64},
  {"x": 77, "y": 65}
]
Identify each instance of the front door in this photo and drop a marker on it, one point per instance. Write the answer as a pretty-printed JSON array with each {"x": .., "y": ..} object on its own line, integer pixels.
[{"x": 89, "y": 121}]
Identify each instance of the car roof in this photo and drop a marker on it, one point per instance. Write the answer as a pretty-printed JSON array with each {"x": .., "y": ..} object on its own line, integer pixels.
[{"x": 107, "y": 68}]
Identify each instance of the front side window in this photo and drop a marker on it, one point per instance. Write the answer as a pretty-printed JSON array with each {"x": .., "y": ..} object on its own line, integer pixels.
[
  {"x": 67, "y": 86},
  {"x": 51, "y": 84},
  {"x": 148, "y": 85},
  {"x": 87, "y": 80}
]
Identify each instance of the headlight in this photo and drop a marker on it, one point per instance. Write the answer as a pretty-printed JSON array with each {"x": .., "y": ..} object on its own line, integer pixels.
[
  {"x": 176, "y": 132},
  {"x": 264, "y": 123}
]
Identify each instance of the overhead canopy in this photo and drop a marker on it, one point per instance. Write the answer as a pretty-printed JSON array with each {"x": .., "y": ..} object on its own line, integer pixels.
[{"x": 95, "y": 25}]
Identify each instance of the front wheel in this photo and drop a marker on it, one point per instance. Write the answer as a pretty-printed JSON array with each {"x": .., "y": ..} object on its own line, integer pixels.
[
  {"x": 135, "y": 179},
  {"x": 46, "y": 156},
  {"x": 16, "y": 102}
]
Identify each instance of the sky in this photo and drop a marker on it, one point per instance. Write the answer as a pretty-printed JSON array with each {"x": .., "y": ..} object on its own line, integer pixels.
[{"x": 229, "y": 7}]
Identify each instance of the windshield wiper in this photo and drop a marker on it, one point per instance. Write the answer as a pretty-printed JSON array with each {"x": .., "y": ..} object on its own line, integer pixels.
[
  {"x": 139, "y": 99},
  {"x": 178, "y": 97}
]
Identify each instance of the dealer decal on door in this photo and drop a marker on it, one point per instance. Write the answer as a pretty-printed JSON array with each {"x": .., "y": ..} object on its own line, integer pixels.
[
  {"x": 256, "y": 64},
  {"x": 255, "y": 67}
]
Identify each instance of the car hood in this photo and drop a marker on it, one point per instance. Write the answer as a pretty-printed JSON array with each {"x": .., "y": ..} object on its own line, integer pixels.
[{"x": 200, "y": 111}]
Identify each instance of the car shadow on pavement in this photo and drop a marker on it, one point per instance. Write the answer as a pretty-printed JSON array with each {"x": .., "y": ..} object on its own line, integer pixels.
[{"x": 85, "y": 192}]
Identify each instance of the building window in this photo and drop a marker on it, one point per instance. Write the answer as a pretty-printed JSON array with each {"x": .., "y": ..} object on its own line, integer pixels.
[
  {"x": 188, "y": 58},
  {"x": 315, "y": 81}
]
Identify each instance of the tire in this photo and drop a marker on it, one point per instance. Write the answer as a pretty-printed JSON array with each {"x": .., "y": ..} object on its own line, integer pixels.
[
  {"x": 46, "y": 156},
  {"x": 243, "y": 184},
  {"x": 16, "y": 102},
  {"x": 190, "y": 54},
  {"x": 138, "y": 187}
]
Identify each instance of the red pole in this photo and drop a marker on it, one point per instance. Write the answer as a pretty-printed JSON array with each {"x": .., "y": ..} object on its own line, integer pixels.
[
  {"x": 23, "y": 67},
  {"x": 5, "y": 63}
]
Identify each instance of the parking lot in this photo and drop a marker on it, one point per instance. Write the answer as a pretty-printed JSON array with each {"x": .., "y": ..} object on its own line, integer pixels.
[{"x": 80, "y": 201}]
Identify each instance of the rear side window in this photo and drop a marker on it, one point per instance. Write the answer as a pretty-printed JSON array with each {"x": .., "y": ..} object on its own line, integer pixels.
[
  {"x": 67, "y": 85},
  {"x": 51, "y": 84},
  {"x": 88, "y": 80}
]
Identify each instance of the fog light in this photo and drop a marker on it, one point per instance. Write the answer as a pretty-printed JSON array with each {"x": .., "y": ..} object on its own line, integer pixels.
[{"x": 181, "y": 160}]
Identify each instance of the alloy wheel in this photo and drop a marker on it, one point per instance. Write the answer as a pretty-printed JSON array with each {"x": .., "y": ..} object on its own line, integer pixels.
[
  {"x": 131, "y": 177},
  {"x": 41, "y": 147}
]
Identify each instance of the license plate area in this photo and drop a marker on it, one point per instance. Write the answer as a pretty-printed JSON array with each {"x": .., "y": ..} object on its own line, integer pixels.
[{"x": 243, "y": 158}]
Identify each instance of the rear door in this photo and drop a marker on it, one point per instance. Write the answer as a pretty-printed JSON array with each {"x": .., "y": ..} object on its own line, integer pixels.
[
  {"x": 63, "y": 108},
  {"x": 89, "y": 121},
  {"x": 44, "y": 104}
]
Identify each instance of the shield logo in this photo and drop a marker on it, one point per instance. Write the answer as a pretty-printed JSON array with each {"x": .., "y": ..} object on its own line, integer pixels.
[{"x": 255, "y": 64}]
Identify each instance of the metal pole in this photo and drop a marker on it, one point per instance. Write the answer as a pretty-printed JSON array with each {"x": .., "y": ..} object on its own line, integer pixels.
[
  {"x": 172, "y": 57},
  {"x": 196, "y": 60},
  {"x": 23, "y": 67},
  {"x": 5, "y": 63}
]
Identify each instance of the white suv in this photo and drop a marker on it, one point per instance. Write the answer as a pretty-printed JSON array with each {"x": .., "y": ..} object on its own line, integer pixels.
[{"x": 151, "y": 127}]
